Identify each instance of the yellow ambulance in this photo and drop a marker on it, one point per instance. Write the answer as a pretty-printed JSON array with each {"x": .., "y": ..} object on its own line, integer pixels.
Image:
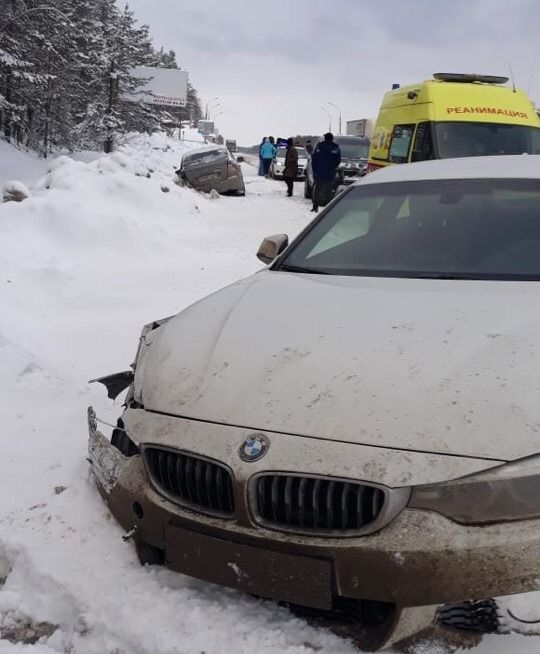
[{"x": 453, "y": 115}]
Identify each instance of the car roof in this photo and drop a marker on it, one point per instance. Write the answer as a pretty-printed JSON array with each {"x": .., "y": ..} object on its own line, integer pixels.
[
  {"x": 518, "y": 166},
  {"x": 205, "y": 148},
  {"x": 349, "y": 137}
]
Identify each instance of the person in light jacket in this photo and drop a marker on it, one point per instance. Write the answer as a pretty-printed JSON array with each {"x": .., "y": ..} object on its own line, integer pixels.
[
  {"x": 268, "y": 152},
  {"x": 324, "y": 162},
  {"x": 261, "y": 165},
  {"x": 291, "y": 166}
]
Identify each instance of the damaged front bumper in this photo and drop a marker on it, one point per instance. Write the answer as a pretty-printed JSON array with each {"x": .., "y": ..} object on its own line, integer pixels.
[
  {"x": 421, "y": 559},
  {"x": 105, "y": 459}
]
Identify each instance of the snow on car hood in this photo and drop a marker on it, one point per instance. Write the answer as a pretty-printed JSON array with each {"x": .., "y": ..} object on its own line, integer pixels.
[{"x": 427, "y": 365}]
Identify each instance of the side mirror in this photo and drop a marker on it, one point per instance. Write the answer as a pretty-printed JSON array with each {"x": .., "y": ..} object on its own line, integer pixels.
[
  {"x": 240, "y": 159},
  {"x": 272, "y": 246}
]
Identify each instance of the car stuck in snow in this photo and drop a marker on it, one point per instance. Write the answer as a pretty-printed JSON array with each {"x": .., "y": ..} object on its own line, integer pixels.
[
  {"x": 212, "y": 167},
  {"x": 357, "y": 424}
]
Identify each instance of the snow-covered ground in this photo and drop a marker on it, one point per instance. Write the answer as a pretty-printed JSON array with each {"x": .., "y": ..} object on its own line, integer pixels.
[
  {"x": 101, "y": 247},
  {"x": 19, "y": 165},
  {"x": 23, "y": 166}
]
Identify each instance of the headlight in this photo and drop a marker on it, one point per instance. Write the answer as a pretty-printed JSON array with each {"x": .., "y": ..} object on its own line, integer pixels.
[{"x": 508, "y": 492}]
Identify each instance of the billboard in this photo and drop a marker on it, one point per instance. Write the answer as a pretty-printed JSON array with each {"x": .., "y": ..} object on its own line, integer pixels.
[
  {"x": 165, "y": 87},
  {"x": 205, "y": 127}
]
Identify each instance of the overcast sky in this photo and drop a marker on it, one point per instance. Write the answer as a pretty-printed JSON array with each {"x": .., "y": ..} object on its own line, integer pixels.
[{"x": 275, "y": 63}]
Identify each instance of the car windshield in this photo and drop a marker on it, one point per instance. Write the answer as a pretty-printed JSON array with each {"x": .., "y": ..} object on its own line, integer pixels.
[
  {"x": 204, "y": 156},
  {"x": 443, "y": 229},
  {"x": 455, "y": 139},
  {"x": 354, "y": 150},
  {"x": 281, "y": 152}
]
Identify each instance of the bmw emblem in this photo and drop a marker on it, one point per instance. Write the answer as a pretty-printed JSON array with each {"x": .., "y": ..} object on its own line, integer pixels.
[{"x": 254, "y": 448}]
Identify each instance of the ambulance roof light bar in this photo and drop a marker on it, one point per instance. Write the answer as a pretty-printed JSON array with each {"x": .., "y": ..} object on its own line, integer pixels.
[{"x": 469, "y": 77}]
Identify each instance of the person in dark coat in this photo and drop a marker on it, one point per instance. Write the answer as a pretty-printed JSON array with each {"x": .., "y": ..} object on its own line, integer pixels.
[
  {"x": 324, "y": 162},
  {"x": 291, "y": 166}
]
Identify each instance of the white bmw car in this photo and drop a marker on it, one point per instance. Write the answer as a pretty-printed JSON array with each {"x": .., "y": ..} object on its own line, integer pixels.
[{"x": 356, "y": 427}]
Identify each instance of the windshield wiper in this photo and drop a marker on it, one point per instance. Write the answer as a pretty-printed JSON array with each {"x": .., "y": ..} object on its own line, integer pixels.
[
  {"x": 299, "y": 269},
  {"x": 463, "y": 276}
]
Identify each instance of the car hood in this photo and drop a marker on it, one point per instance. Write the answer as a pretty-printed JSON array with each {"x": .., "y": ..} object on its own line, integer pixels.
[
  {"x": 352, "y": 162},
  {"x": 444, "y": 366}
]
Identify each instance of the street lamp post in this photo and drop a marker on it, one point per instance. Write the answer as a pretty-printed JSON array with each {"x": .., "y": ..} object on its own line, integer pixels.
[
  {"x": 339, "y": 109},
  {"x": 329, "y": 118},
  {"x": 208, "y": 104}
]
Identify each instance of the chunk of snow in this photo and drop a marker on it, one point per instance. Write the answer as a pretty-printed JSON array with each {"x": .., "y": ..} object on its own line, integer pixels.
[{"x": 14, "y": 191}]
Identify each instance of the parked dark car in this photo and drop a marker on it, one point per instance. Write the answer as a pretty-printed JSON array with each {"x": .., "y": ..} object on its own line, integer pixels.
[
  {"x": 354, "y": 160},
  {"x": 212, "y": 167}
]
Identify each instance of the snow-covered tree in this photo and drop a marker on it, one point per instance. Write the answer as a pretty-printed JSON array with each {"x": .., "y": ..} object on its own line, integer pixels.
[{"x": 65, "y": 67}]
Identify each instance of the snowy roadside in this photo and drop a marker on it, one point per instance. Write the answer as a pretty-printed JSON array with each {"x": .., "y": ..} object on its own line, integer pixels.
[
  {"x": 26, "y": 167},
  {"x": 101, "y": 248},
  {"x": 16, "y": 164}
]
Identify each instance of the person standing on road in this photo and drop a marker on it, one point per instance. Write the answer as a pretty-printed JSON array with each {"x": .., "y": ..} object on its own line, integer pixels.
[
  {"x": 261, "y": 165},
  {"x": 291, "y": 166},
  {"x": 268, "y": 152},
  {"x": 324, "y": 162}
]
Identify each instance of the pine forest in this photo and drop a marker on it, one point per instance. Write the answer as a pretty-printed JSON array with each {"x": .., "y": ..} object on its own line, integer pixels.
[{"x": 65, "y": 69}]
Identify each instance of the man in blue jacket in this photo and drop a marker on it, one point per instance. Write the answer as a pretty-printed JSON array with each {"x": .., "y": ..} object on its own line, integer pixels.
[{"x": 324, "y": 162}]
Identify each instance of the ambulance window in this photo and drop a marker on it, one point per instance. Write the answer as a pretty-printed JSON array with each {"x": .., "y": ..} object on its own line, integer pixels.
[
  {"x": 423, "y": 143},
  {"x": 399, "y": 145}
]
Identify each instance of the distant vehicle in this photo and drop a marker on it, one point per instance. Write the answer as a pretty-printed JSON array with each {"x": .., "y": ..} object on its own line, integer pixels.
[
  {"x": 212, "y": 167},
  {"x": 354, "y": 161},
  {"x": 453, "y": 115},
  {"x": 231, "y": 145},
  {"x": 278, "y": 164}
]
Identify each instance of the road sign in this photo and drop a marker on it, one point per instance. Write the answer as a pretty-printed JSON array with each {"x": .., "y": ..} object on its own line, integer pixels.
[{"x": 205, "y": 127}]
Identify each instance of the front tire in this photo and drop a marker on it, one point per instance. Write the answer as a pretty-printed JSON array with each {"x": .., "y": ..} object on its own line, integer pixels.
[{"x": 476, "y": 616}]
